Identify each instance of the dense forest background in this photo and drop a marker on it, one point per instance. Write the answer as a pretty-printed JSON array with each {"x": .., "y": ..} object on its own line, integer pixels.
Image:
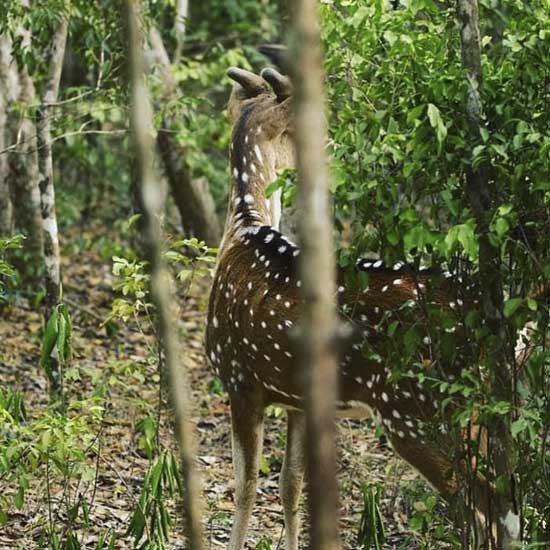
[{"x": 87, "y": 458}]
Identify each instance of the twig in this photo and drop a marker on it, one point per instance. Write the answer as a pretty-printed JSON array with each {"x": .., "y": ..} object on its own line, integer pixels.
[{"x": 83, "y": 308}]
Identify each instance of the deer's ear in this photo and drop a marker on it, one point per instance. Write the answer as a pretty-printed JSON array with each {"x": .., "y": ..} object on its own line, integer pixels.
[
  {"x": 251, "y": 84},
  {"x": 277, "y": 54},
  {"x": 280, "y": 83}
]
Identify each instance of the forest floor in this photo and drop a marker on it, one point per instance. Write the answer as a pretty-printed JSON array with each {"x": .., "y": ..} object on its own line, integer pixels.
[{"x": 116, "y": 461}]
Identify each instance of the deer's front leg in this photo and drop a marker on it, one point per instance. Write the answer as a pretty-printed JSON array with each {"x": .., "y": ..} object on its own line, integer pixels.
[
  {"x": 292, "y": 476},
  {"x": 247, "y": 421}
]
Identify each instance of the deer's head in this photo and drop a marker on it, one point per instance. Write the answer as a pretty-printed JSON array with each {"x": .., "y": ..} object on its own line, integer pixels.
[
  {"x": 261, "y": 144},
  {"x": 259, "y": 108}
]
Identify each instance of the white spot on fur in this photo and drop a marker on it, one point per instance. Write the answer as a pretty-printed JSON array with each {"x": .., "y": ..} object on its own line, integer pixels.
[{"x": 258, "y": 153}]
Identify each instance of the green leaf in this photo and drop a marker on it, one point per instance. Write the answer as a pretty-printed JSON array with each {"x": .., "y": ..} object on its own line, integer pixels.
[
  {"x": 359, "y": 17},
  {"x": 478, "y": 149},
  {"x": 433, "y": 115},
  {"x": 264, "y": 466},
  {"x": 518, "y": 426},
  {"x": 392, "y": 328},
  {"x": 273, "y": 187},
  {"x": 49, "y": 340},
  {"x": 503, "y": 485},
  {"x": 436, "y": 122},
  {"x": 19, "y": 498},
  {"x": 511, "y": 305},
  {"x": 61, "y": 338}
]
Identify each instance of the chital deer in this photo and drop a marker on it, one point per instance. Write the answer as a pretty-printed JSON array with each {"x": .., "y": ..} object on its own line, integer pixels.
[{"x": 255, "y": 302}]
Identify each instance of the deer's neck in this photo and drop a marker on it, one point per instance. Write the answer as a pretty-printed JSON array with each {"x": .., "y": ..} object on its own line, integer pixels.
[{"x": 252, "y": 170}]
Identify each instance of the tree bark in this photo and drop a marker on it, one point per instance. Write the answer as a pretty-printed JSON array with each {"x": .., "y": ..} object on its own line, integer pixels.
[
  {"x": 45, "y": 165},
  {"x": 317, "y": 272},
  {"x": 182, "y": 12},
  {"x": 499, "y": 350},
  {"x": 6, "y": 207},
  {"x": 193, "y": 199},
  {"x": 152, "y": 201},
  {"x": 24, "y": 185},
  {"x": 22, "y": 161}
]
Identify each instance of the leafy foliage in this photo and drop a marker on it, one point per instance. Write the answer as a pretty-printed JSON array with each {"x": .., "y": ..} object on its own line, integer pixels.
[
  {"x": 8, "y": 273},
  {"x": 371, "y": 526},
  {"x": 402, "y": 148},
  {"x": 151, "y": 522}
]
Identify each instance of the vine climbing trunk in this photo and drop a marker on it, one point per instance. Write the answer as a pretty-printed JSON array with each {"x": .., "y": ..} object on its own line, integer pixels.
[
  {"x": 498, "y": 351},
  {"x": 141, "y": 119},
  {"x": 46, "y": 177},
  {"x": 317, "y": 272}
]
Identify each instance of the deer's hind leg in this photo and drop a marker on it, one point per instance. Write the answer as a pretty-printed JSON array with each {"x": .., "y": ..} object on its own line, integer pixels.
[
  {"x": 247, "y": 423},
  {"x": 292, "y": 476}
]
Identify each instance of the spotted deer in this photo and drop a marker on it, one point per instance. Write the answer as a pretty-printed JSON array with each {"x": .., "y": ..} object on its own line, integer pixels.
[{"x": 255, "y": 303}]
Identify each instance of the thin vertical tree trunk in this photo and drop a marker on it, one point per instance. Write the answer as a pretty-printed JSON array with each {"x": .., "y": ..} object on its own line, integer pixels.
[
  {"x": 52, "y": 278},
  {"x": 45, "y": 164},
  {"x": 499, "y": 350},
  {"x": 317, "y": 272},
  {"x": 152, "y": 201},
  {"x": 180, "y": 25},
  {"x": 6, "y": 207}
]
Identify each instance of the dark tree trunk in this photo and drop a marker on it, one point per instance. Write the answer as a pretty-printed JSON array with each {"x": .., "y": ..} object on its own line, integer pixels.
[{"x": 499, "y": 349}]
